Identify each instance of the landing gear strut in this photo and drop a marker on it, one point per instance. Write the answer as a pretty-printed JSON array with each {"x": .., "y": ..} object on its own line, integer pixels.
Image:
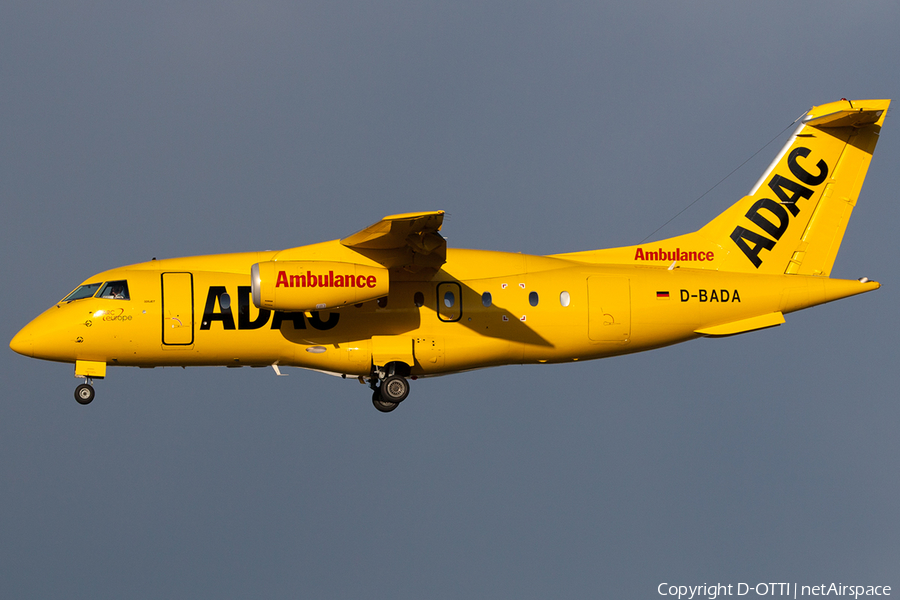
[{"x": 84, "y": 393}]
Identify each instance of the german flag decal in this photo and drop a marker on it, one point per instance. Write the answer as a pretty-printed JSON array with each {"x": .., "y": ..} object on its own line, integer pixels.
[{"x": 662, "y": 295}]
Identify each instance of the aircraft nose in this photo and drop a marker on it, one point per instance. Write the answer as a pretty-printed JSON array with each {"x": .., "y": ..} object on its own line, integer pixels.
[{"x": 23, "y": 343}]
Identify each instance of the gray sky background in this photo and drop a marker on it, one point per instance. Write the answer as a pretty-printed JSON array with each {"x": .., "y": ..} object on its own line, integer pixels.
[{"x": 134, "y": 130}]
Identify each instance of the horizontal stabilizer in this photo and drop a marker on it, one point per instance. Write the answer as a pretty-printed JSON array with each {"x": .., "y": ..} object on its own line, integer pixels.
[
  {"x": 846, "y": 118},
  {"x": 744, "y": 325}
]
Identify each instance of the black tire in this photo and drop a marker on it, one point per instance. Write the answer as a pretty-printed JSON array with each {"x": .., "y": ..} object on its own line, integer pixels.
[
  {"x": 394, "y": 389},
  {"x": 84, "y": 394},
  {"x": 380, "y": 404}
]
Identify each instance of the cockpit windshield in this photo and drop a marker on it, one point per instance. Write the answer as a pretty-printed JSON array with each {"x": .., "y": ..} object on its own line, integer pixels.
[
  {"x": 84, "y": 291},
  {"x": 116, "y": 290},
  {"x": 112, "y": 290}
]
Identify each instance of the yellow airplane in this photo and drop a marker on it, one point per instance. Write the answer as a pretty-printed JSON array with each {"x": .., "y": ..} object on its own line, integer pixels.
[{"x": 392, "y": 303}]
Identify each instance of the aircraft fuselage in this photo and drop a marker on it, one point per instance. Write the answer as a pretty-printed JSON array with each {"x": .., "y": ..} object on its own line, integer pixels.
[{"x": 482, "y": 309}]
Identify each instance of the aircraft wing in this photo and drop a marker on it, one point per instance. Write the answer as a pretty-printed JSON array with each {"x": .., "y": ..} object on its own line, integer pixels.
[{"x": 408, "y": 241}]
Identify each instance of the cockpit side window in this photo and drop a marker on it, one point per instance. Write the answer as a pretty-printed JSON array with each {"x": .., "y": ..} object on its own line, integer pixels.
[
  {"x": 84, "y": 291},
  {"x": 115, "y": 290}
]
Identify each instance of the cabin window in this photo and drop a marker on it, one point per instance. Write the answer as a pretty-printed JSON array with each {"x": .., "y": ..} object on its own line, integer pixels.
[
  {"x": 84, "y": 291},
  {"x": 533, "y": 298},
  {"x": 419, "y": 299},
  {"x": 486, "y": 299},
  {"x": 115, "y": 290},
  {"x": 564, "y": 298},
  {"x": 449, "y": 304}
]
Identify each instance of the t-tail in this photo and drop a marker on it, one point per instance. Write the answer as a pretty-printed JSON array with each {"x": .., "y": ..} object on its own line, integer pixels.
[{"x": 794, "y": 218}]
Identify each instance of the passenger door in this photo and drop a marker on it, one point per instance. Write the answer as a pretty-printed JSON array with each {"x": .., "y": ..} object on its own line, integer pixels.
[{"x": 177, "y": 309}]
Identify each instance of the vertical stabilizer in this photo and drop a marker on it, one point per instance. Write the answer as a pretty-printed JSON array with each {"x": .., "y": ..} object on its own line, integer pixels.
[{"x": 794, "y": 218}]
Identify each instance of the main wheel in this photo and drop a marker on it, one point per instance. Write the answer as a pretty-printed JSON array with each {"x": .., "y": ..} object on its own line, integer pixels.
[
  {"x": 380, "y": 404},
  {"x": 394, "y": 389},
  {"x": 84, "y": 393}
]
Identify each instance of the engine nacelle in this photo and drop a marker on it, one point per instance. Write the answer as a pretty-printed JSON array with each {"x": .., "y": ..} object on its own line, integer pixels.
[{"x": 302, "y": 285}]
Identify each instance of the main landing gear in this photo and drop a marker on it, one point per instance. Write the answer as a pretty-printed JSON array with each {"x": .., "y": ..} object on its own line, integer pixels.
[
  {"x": 393, "y": 388},
  {"x": 84, "y": 393}
]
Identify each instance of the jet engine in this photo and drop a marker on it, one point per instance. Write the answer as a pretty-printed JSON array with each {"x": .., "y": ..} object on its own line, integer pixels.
[{"x": 303, "y": 285}]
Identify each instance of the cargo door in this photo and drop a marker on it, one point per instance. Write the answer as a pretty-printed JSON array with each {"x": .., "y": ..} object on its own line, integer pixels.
[
  {"x": 609, "y": 313},
  {"x": 177, "y": 309}
]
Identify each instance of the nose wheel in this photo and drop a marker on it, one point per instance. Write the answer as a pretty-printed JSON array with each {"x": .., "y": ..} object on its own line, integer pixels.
[{"x": 84, "y": 393}]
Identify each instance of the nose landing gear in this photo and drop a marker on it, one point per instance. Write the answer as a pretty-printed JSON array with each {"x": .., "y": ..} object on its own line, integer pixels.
[
  {"x": 88, "y": 369},
  {"x": 84, "y": 393}
]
